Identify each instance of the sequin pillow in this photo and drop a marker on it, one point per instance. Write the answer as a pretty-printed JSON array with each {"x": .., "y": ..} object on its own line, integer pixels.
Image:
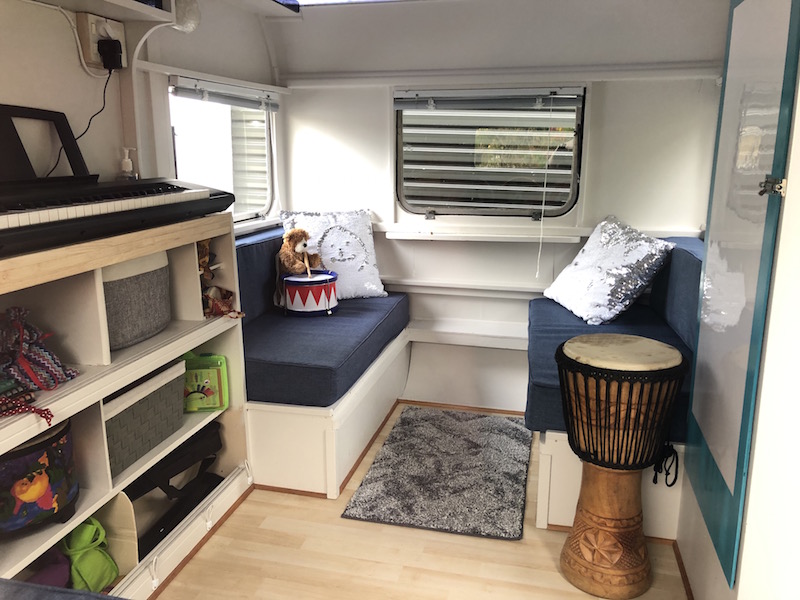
[
  {"x": 344, "y": 242},
  {"x": 612, "y": 269}
]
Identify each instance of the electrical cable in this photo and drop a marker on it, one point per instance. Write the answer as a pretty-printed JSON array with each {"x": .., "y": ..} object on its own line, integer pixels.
[
  {"x": 89, "y": 124},
  {"x": 74, "y": 29}
]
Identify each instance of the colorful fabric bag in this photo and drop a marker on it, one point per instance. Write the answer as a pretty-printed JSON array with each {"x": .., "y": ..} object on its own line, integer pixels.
[
  {"x": 23, "y": 356},
  {"x": 38, "y": 481}
]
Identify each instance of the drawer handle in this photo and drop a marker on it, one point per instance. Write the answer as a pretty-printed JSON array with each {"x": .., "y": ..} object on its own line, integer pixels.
[
  {"x": 209, "y": 521},
  {"x": 153, "y": 568}
]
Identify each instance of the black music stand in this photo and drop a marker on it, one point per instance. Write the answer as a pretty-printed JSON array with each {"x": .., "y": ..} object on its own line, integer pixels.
[{"x": 15, "y": 166}]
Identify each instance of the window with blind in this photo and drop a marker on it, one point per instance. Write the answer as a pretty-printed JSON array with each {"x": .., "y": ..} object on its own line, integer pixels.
[
  {"x": 223, "y": 139},
  {"x": 511, "y": 152}
]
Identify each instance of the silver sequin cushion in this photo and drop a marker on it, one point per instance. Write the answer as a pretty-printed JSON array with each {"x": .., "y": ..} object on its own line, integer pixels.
[{"x": 613, "y": 268}]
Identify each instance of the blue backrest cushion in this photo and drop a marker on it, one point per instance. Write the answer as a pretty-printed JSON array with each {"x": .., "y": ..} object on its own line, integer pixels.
[
  {"x": 675, "y": 292},
  {"x": 255, "y": 255}
]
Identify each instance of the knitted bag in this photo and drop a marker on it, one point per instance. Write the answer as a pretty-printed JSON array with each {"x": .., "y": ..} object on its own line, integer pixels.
[{"x": 23, "y": 356}]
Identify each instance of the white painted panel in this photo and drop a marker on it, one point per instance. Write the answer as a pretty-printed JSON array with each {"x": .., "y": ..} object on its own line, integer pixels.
[
  {"x": 77, "y": 321},
  {"x": 287, "y": 449},
  {"x": 340, "y": 142},
  {"x": 228, "y": 42},
  {"x": 468, "y": 376},
  {"x": 433, "y": 307},
  {"x": 354, "y": 434},
  {"x": 475, "y": 34},
  {"x": 705, "y": 574},
  {"x": 650, "y": 150}
]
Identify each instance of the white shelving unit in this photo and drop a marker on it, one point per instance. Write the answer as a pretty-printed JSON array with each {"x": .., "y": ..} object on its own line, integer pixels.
[{"x": 63, "y": 290}]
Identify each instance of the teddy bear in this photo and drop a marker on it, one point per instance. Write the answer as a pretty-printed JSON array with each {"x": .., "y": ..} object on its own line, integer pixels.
[{"x": 293, "y": 257}]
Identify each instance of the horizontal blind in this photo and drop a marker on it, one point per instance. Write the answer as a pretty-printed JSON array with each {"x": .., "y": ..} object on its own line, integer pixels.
[
  {"x": 251, "y": 159},
  {"x": 507, "y": 154},
  {"x": 250, "y": 141}
]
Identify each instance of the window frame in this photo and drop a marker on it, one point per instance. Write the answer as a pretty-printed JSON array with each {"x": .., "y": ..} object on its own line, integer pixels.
[
  {"x": 243, "y": 96},
  {"x": 533, "y": 210}
]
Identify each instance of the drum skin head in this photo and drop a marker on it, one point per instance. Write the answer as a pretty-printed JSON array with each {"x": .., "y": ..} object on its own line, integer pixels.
[{"x": 622, "y": 352}]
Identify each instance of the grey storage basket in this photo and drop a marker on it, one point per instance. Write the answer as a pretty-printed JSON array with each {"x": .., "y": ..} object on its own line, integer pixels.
[
  {"x": 137, "y": 299},
  {"x": 142, "y": 426}
]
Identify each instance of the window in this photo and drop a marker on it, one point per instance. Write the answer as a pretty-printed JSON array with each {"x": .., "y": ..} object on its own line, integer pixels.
[
  {"x": 489, "y": 153},
  {"x": 222, "y": 137}
]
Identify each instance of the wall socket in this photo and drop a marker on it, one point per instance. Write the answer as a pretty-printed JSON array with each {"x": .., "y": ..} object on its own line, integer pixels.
[{"x": 92, "y": 28}]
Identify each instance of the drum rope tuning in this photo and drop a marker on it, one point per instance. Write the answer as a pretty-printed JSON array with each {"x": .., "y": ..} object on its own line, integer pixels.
[
  {"x": 618, "y": 419},
  {"x": 664, "y": 464}
]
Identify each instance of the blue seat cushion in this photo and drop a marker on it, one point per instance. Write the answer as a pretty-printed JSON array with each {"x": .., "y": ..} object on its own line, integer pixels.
[
  {"x": 255, "y": 255},
  {"x": 675, "y": 293},
  {"x": 313, "y": 361},
  {"x": 550, "y": 324}
]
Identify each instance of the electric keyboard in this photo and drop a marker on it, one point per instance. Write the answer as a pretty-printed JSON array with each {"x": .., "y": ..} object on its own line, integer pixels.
[{"x": 36, "y": 216}]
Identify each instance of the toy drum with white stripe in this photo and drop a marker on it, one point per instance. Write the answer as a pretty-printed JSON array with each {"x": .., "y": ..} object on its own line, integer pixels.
[{"x": 310, "y": 296}]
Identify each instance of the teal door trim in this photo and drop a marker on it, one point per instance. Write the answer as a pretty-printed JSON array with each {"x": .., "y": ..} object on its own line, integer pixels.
[{"x": 722, "y": 510}]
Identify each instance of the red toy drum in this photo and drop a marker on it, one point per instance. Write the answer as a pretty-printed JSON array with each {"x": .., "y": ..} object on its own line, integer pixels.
[{"x": 310, "y": 296}]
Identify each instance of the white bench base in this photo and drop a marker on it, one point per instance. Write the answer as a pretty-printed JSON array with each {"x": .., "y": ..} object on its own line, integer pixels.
[
  {"x": 560, "y": 483},
  {"x": 314, "y": 449}
]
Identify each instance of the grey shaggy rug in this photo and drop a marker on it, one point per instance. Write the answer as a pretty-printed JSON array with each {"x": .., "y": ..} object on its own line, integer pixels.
[{"x": 455, "y": 471}]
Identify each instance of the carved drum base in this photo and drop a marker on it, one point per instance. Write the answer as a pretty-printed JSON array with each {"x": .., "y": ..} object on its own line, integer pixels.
[{"x": 605, "y": 553}]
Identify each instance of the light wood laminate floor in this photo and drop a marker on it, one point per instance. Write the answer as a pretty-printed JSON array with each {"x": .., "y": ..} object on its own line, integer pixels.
[{"x": 278, "y": 545}]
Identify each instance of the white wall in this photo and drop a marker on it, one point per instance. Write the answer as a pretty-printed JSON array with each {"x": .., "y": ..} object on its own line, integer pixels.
[
  {"x": 439, "y": 35},
  {"x": 649, "y": 146},
  {"x": 650, "y": 152},
  {"x": 40, "y": 68},
  {"x": 339, "y": 150},
  {"x": 228, "y": 42}
]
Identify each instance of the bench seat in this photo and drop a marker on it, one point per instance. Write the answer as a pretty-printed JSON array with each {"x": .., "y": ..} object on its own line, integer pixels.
[
  {"x": 669, "y": 315},
  {"x": 313, "y": 361}
]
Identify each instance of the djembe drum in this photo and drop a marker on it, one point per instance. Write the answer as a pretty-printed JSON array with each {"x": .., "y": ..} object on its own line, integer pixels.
[{"x": 617, "y": 393}]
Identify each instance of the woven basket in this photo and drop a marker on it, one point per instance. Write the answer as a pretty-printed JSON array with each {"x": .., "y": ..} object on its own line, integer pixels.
[{"x": 141, "y": 427}]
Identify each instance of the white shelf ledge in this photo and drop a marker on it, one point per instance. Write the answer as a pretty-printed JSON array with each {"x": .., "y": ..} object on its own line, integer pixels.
[
  {"x": 514, "y": 291},
  {"x": 19, "y": 551},
  {"x": 456, "y": 236},
  {"x": 504, "y": 335},
  {"x": 96, "y": 382},
  {"x": 118, "y": 10}
]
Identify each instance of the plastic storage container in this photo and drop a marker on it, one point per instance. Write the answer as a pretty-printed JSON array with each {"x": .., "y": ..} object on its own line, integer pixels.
[{"x": 206, "y": 385}]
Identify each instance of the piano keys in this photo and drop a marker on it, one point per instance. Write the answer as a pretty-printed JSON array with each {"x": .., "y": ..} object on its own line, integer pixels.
[{"x": 36, "y": 217}]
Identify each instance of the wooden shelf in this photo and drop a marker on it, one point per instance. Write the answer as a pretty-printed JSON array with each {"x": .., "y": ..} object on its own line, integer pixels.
[{"x": 27, "y": 270}]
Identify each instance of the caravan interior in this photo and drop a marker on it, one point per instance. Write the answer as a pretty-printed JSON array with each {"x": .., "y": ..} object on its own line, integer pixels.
[{"x": 470, "y": 149}]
